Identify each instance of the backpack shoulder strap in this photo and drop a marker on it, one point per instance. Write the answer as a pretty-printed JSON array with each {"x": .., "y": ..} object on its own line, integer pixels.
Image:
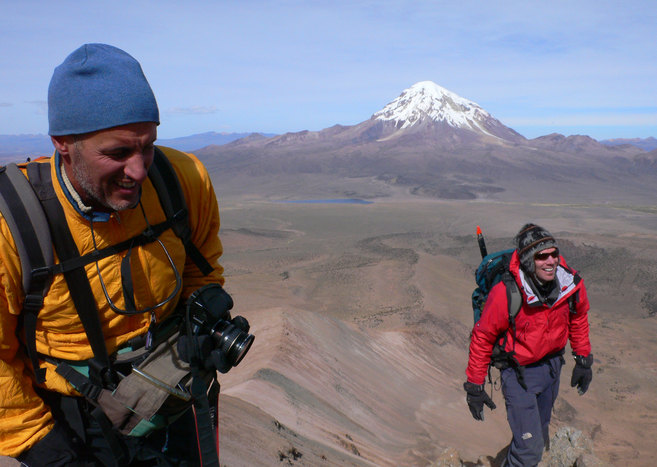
[
  {"x": 166, "y": 183},
  {"x": 76, "y": 279},
  {"x": 573, "y": 300},
  {"x": 513, "y": 295},
  {"x": 24, "y": 215}
]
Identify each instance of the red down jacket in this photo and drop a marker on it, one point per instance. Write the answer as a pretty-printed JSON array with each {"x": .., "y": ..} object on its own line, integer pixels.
[{"x": 540, "y": 329}]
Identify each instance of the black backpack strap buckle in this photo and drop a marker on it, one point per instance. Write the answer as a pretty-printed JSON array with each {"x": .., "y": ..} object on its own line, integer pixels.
[
  {"x": 81, "y": 383},
  {"x": 42, "y": 274},
  {"x": 33, "y": 302},
  {"x": 102, "y": 375},
  {"x": 149, "y": 234}
]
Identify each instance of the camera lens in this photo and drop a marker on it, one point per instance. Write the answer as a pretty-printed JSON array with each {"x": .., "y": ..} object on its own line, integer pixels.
[{"x": 231, "y": 340}]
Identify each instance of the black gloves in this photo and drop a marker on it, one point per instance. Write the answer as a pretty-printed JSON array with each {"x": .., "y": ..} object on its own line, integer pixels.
[
  {"x": 476, "y": 399},
  {"x": 582, "y": 373}
]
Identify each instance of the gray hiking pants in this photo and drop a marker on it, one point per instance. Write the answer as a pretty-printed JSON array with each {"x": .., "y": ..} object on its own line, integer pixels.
[{"x": 529, "y": 410}]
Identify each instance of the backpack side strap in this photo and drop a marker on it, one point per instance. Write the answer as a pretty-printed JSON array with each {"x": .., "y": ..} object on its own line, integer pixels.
[{"x": 166, "y": 183}]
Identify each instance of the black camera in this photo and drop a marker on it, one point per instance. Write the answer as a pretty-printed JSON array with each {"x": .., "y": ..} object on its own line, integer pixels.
[{"x": 218, "y": 339}]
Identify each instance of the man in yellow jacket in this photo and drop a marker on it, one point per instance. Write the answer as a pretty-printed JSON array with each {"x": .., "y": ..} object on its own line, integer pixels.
[{"x": 103, "y": 120}]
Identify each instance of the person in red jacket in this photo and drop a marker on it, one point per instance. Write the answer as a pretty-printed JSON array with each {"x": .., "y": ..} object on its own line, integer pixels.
[{"x": 554, "y": 310}]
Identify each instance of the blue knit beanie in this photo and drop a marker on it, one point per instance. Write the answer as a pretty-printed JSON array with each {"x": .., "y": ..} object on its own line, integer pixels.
[{"x": 98, "y": 86}]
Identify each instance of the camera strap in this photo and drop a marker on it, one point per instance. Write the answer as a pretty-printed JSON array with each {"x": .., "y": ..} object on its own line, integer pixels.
[{"x": 208, "y": 449}]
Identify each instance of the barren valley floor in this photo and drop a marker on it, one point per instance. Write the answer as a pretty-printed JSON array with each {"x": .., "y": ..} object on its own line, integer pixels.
[{"x": 362, "y": 317}]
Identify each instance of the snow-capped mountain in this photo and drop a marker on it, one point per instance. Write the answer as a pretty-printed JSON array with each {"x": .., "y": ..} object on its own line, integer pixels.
[
  {"x": 428, "y": 103},
  {"x": 428, "y": 100}
]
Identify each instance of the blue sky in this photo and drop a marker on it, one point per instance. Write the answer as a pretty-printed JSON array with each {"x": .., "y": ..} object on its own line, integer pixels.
[{"x": 571, "y": 67}]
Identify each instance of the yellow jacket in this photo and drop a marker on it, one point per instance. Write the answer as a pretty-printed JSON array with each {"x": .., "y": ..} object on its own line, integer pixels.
[{"x": 24, "y": 418}]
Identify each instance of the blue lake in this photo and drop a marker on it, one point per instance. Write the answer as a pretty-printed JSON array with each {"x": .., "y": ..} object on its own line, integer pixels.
[{"x": 327, "y": 201}]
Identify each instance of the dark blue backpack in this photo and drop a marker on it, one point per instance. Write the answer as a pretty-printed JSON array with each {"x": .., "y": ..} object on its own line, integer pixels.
[{"x": 493, "y": 269}]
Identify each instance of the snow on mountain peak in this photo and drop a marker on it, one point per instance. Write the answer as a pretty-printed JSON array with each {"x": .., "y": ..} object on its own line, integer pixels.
[{"x": 426, "y": 100}]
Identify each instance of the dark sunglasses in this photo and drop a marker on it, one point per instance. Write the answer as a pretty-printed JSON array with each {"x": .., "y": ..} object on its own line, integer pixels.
[{"x": 544, "y": 256}]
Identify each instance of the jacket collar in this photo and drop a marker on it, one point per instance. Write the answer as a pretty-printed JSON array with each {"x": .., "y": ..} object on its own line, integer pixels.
[
  {"x": 565, "y": 277},
  {"x": 88, "y": 214}
]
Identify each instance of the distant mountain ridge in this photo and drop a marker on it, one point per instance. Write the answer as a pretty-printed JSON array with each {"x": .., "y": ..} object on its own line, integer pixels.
[
  {"x": 435, "y": 143},
  {"x": 36, "y": 145},
  {"x": 647, "y": 144},
  {"x": 19, "y": 147},
  {"x": 425, "y": 114},
  {"x": 196, "y": 141}
]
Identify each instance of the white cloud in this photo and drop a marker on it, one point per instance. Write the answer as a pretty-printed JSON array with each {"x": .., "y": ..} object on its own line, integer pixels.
[
  {"x": 42, "y": 106},
  {"x": 193, "y": 110}
]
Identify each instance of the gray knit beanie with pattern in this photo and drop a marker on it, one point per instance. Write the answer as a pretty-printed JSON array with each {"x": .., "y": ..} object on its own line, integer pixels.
[{"x": 532, "y": 239}]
